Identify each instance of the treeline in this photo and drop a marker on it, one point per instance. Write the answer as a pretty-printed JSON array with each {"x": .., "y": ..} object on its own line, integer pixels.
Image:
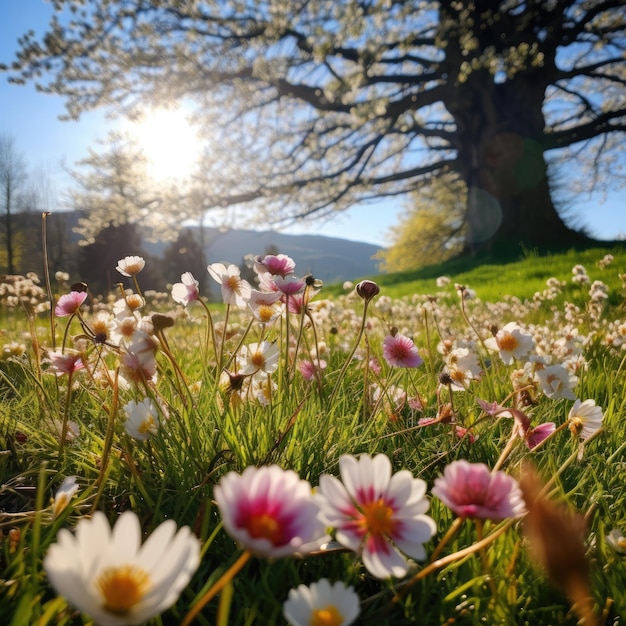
[{"x": 95, "y": 264}]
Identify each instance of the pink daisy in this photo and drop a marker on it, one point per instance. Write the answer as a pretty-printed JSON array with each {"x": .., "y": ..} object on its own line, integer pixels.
[
  {"x": 275, "y": 264},
  {"x": 400, "y": 351},
  {"x": 65, "y": 363},
  {"x": 471, "y": 490},
  {"x": 289, "y": 285},
  {"x": 70, "y": 303},
  {"x": 377, "y": 515},
  {"x": 271, "y": 511}
]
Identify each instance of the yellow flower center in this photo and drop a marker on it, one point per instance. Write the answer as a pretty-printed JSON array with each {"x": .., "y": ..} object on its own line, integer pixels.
[
  {"x": 265, "y": 313},
  {"x": 507, "y": 342},
  {"x": 128, "y": 326},
  {"x": 122, "y": 587},
  {"x": 265, "y": 526},
  {"x": 575, "y": 425},
  {"x": 233, "y": 283},
  {"x": 100, "y": 327},
  {"x": 457, "y": 375},
  {"x": 378, "y": 517},
  {"x": 147, "y": 425},
  {"x": 134, "y": 300},
  {"x": 328, "y": 616},
  {"x": 60, "y": 502},
  {"x": 257, "y": 359}
]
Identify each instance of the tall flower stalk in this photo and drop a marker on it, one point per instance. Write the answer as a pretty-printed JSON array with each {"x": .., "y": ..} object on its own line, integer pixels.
[{"x": 367, "y": 290}]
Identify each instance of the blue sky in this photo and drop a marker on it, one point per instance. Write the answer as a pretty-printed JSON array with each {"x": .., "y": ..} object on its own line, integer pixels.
[{"x": 32, "y": 119}]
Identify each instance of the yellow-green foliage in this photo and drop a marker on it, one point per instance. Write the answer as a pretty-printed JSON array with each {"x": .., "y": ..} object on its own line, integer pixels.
[{"x": 431, "y": 231}]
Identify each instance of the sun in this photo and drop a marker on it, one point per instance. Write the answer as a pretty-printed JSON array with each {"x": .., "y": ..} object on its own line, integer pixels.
[{"x": 169, "y": 142}]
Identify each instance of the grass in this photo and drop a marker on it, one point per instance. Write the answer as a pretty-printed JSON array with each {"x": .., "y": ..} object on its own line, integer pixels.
[{"x": 208, "y": 427}]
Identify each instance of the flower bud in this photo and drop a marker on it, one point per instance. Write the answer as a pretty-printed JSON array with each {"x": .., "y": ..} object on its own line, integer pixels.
[{"x": 367, "y": 289}]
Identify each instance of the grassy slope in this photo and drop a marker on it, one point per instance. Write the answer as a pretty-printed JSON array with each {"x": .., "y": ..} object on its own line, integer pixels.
[
  {"x": 161, "y": 482},
  {"x": 492, "y": 279}
]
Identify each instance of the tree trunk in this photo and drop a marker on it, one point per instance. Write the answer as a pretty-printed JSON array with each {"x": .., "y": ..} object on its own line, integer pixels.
[
  {"x": 499, "y": 140},
  {"x": 8, "y": 227},
  {"x": 500, "y": 148}
]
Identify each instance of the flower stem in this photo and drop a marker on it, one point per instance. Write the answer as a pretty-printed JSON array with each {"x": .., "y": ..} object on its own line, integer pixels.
[
  {"x": 507, "y": 450},
  {"x": 234, "y": 569},
  {"x": 66, "y": 415},
  {"x": 483, "y": 557},
  {"x": 451, "y": 558},
  {"x": 349, "y": 359}
]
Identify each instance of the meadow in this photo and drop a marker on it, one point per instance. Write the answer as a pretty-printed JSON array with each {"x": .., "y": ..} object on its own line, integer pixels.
[{"x": 443, "y": 447}]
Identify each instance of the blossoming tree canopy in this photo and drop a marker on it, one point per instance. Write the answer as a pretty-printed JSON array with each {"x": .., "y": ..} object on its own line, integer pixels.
[{"x": 484, "y": 89}]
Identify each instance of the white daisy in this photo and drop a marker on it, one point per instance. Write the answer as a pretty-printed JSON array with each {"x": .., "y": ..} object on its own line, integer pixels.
[
  {"x": 585, "y": 419},
  {"x": 322, "y": 604},
  {"x": 109, "y": 575}
]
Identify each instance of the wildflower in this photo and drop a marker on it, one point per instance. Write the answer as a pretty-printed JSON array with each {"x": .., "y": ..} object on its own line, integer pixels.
[
  {"x": 11, "y": 350},
  {"x": 275, "y": 264},
  {"x": 311, "y": 369},
  {"x": 109, "y": 575},
  {"x": 235, "y": 290},
  {"x": 263, "y": 388},
  {"x": 65, "y": 362},
  {"x": 461, "y": 432},
  {"x": 442, "y": 281},
  {"x": 122, "y": 329},
  {"x": 100, "y": 326},
  {"x": 471, "y": 490},
  {"x": 367, "y": 289},
  {"x": 289, "y": 285},
  {"x": 322, "y": 604},
  {"x": 400, "y": 351},
  {"x": 598, "y": 292},
  {"x": 258, "y": 357},
  {"x": 585, "y": 419},
  {"x": 511, "y": 342},
  {"x": 617, "y": 541},
  {"x": 142, "y": 419},
  {"x": 579, "y": 275},
  {"x": 186, "y": 291},
  {"x": 65, "y": 493},
  {"x": 130, "y": 265},
  {"x": 463, "y": 367},
  {"x": 490, "y": 408},
  {"x": 265, "y": 306},
  {"x": 377, "y": 515},
  {"x": 534, "y": 436},
  {"x": 393, "y": 399},
  {"x": 139, "y": 364},
  {"x": 70, "y": 303},
  {"x": 233, "y": 388},
  {"x": 605, "y": 261},
  {"x": 127, "y": 305},
  {"x": 72, "y": 429},
  {"x": 271, "y": 511},
  {"x": 557, "y": 382}
]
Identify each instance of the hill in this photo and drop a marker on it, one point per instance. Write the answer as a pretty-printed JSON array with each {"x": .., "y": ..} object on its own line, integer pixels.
[{"x": 330, "y": 259}]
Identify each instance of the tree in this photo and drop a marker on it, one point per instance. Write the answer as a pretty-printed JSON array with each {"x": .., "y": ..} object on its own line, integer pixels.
[
  {"x": 185, "y": 255},
  {"x": 432, "y": 229},
  {"x": 13, "y": 177},
  {"x": 97, "y": 260},
  {"x": 112, "y": 188},
  {"x": 315, "y": 105}
]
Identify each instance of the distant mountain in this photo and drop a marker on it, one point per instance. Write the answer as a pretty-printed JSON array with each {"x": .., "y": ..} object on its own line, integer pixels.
[{"x": 330, "y": 259}]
